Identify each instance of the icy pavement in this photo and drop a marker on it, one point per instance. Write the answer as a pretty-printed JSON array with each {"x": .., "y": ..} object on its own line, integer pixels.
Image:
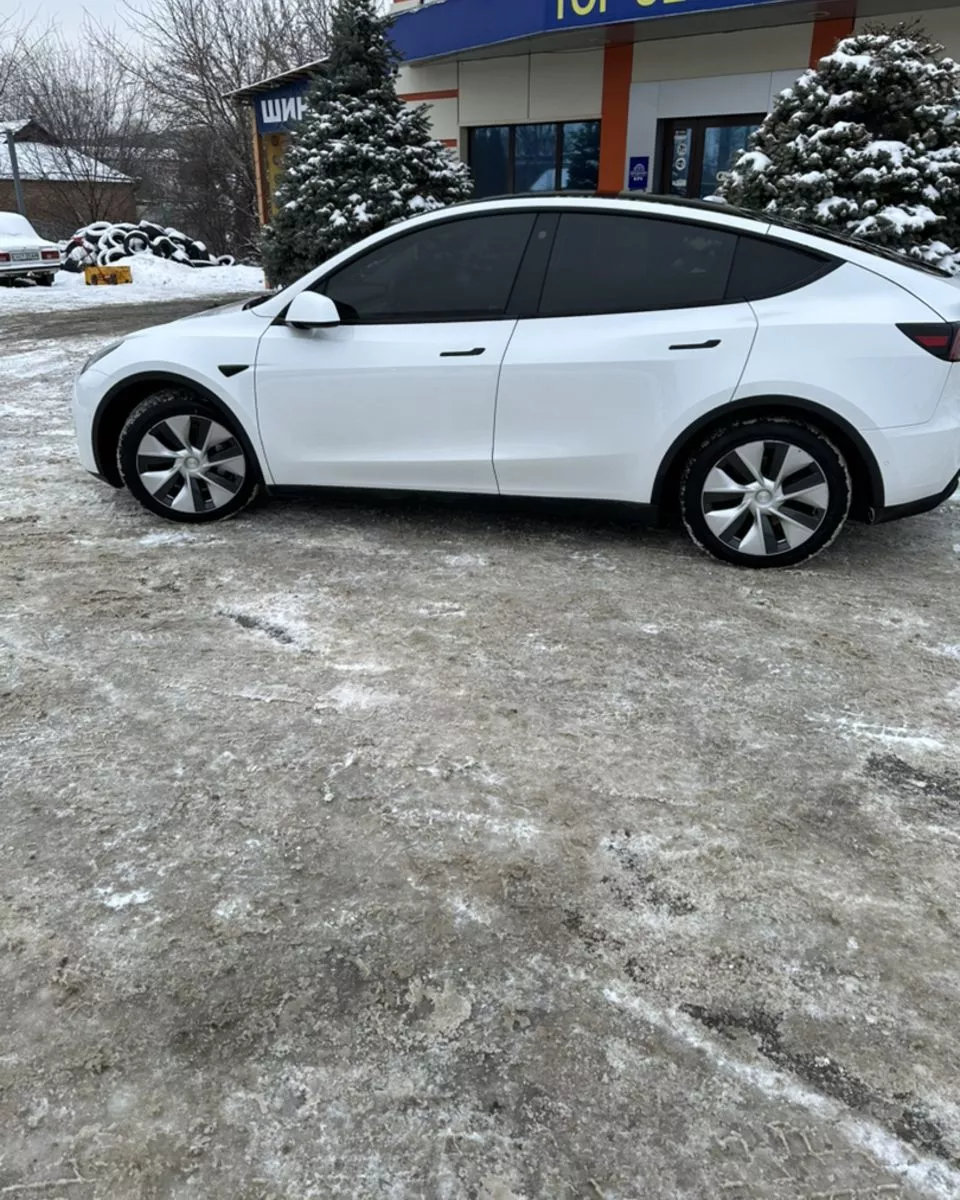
[{"x": 367, "y": 850}]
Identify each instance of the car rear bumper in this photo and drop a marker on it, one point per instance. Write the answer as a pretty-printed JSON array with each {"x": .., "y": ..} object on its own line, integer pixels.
[
  {"x": 878, "y": 516},
  {"x": 8, "y": 270},
  {"x": 919, "y": 464}
]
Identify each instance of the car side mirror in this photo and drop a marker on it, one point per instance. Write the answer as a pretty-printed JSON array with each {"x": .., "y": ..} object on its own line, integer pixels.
[{"x": 310, "y": 310}]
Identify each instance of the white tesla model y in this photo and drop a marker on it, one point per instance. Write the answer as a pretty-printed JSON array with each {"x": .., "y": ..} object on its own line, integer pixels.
[{"x": 764, "y": 382}]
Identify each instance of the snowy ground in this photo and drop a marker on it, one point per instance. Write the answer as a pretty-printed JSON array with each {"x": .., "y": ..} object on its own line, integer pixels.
[
  {"x": 153, "y": 279},
  {"x": 423, "y": 851}
]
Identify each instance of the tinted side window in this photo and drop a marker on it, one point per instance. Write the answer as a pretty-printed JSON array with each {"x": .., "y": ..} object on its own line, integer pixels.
[
  {"x": 762, "y": 269},
  {"x": 606, "y": 263},
  {"x": 458, "y": 270}
]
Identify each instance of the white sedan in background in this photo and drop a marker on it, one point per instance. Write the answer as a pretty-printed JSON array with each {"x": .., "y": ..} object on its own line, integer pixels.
[
  {"x": 759, "y": 381},
  {"x": 23, "y": 252}
]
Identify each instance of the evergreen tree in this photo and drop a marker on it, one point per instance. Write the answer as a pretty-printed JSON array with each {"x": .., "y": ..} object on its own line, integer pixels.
[
  {"x": 867, "y": 143},
  {"x": 361, "y": 158},
  {"x": 584, "y": 161}
]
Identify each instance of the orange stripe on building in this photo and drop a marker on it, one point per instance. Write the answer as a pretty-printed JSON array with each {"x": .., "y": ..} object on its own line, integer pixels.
[
  {"x": 826, "y": 33},
  {"x": 445, "y": 94},
  {"x": 614, "y": 116},
  {"x": 451, "y": 142}
]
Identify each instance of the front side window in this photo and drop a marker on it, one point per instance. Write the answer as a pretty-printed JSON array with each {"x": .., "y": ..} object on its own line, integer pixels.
[
  {"x": 607, "y": 263},
  {"x": 459, "y": 270},
  {"x": 548, "y": 157}
]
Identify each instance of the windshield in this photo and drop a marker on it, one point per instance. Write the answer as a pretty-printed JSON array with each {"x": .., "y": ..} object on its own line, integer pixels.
[{"x": 13, "y": 225}]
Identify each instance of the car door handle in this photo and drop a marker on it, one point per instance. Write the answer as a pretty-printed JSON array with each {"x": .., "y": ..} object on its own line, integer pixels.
[
  {"x": 709, "y": 345},
  {"x": 463, "y": 353}
]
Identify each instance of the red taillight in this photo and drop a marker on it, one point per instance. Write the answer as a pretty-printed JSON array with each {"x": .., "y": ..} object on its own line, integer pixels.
[
  {"x": 942, "y": 341},
  {"x": 49, "y": 255},
  {"x": 4, "y": 257}
]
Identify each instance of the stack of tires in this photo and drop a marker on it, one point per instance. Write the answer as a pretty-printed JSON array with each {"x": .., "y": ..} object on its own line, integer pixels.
[{"x": 104, "y": 243}]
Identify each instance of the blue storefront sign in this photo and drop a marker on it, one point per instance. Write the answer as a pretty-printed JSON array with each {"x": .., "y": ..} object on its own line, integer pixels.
[
  {"x": 279, "y": 110},
  {"x": 638, "y": 177},
  {"x": 451, "y": 26}
]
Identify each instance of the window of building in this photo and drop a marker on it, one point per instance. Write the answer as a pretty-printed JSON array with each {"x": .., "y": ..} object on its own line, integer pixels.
[
  {"x": 695, "y": 151},
  {"x": 551, "y": 157},
  {"x": 458, "y": 270},
  {"x": 606, "y": 263}
]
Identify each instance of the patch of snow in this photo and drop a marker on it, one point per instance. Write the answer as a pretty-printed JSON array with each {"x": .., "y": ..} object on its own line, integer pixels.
[
  {"x": 930, "y": 1176},
  {"x": 153, "y": 279},
  {"x": 441, "y": 608},
  {"x": 468, "y": 911},
  {"x": 352, "y": 696},
  {"x": 167, "y": 539},
  {"x": 888, "y": 735},
  {"x": 465, "y": 560},
  {"x": 229, "y": 910},
  {"x": 117, "y": 900}
]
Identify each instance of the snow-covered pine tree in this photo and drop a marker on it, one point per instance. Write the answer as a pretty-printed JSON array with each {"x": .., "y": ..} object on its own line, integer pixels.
[
  {"x": 867, "y": 143},
  {"x": 361, "y": 158}
]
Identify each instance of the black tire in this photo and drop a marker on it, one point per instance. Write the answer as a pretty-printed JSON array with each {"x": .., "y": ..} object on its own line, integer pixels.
[
  {"x": 136, "y": 242},
  {"x": 199, "y": 496},
  {"x": 807, "y": 507},
  {"x": 45, "y": 280}
]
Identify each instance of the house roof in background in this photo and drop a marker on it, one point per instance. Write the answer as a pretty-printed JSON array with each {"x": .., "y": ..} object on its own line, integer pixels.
[
  {"x": 38, "y": 161},
  {"x": 25, "y": 129},
  {"x": 297, "y": 75}
]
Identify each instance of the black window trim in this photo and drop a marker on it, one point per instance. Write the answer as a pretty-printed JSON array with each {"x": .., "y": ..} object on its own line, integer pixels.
[{"x": 515, "y": 311}]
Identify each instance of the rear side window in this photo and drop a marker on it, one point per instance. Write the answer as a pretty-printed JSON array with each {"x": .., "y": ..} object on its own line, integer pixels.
[
  {"x": 763, "y": 269},
  {"x": 608, "y": 263},
  {"x": 457, "y": 270}
]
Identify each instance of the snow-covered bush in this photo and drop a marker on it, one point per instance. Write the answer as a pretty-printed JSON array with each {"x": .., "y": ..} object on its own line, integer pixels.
[
  {"x": 361, "y": 158},
  {"x": 867, "y": 143},
  {"x": 106, "y": 242}
]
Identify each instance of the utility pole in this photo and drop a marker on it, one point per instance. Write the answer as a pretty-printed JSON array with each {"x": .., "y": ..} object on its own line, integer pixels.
[{"x": 15, "y": 168}]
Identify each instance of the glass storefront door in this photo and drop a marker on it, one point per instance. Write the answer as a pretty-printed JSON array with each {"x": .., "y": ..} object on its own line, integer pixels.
[{"x": 695, "y": 150}]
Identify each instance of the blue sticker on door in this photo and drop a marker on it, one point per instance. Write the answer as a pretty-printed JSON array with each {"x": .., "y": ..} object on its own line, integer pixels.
[{"x": 639, "y": 174}]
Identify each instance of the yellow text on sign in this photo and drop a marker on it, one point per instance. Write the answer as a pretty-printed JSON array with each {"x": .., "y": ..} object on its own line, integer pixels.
[
  {"x": 589, "y": 8},
  {"x": 580, "y": 8}
]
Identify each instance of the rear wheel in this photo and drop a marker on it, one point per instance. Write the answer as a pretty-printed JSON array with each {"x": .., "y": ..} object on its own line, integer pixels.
[
  {"x": 185, "y": 461},
  {"x": 765, "y": 493}
]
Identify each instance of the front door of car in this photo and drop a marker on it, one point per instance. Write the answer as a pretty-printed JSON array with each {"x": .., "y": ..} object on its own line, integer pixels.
[
  {"x": 632, "y": 341},
  {"x": 402, "y": 393}
]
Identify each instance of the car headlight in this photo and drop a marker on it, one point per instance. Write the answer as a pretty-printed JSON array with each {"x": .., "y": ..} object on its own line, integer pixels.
[{"x": 95, "y": 358}]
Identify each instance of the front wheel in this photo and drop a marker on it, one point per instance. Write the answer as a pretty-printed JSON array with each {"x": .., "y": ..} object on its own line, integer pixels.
[
  {"x": 185, "y": 461},
  {"x": 765, "y": 493}
]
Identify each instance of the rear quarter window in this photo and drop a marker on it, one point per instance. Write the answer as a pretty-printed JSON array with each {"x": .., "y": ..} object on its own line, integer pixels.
[{"x": 762, "y": 269}]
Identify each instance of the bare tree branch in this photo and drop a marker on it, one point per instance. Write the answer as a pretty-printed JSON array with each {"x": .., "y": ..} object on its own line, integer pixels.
[
  {"x": 196, "y": 52},
  {"x": 94, "y": 105}
]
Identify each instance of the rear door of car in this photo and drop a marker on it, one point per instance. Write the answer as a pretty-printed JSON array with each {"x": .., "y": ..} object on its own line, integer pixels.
[{"x": 631, "y": 333}]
